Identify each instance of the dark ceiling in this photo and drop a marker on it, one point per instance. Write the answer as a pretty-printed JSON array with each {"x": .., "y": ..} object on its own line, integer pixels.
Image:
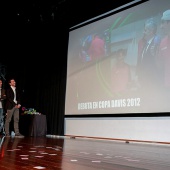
[
  {"x": 69, "y": 12},
  {"x": 36, "y": 30}
]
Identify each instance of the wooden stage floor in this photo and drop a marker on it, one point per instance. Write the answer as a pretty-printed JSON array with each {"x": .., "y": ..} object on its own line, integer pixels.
[{"x": 64, "y": 153}]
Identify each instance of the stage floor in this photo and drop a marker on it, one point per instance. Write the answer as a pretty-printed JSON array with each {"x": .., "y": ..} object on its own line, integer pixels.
[{"x": 81, "y": 154}]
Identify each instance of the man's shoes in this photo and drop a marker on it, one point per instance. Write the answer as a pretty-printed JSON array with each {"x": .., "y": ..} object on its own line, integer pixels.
[
  {"x": 18, "y": 135},
  {"x": 7, "y": 135}
]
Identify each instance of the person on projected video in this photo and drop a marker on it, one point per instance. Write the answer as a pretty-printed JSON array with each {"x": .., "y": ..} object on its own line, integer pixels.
[
  {"x": 120, "y": 73},
  {"x": 147, "y": 61},
  {"x": 147, "y": 67},
  {"x": 164, "y": 54},
  {"x": 164, "y": 49},
  {"x": 97, "y": 47}
]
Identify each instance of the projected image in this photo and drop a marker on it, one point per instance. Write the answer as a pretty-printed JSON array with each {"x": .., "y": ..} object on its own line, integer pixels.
[
  {"x": 118, "y": 64},
  {"x": 93, "y": 47}
]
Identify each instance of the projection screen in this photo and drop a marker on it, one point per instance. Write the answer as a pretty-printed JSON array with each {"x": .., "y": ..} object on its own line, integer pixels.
[{"x": 114, "y": 63}]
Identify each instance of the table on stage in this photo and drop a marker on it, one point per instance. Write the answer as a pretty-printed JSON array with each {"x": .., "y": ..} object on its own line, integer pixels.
[{"x": 33, "y": 125}]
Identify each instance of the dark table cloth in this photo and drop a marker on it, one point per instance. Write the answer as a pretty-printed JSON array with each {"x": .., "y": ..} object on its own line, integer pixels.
[{"x": 33, "y": 125}]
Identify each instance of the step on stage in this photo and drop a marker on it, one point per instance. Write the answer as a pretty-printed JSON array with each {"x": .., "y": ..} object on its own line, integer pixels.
[{"x": 67, "y": 153}]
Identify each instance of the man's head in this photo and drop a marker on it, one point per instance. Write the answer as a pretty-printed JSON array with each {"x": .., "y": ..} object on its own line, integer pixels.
[
  {"x": 12, "y": 82},
  {"x": 150, "y": 28},
  {"x": 166, "y": 15},
  {"x": 165, "y": 21},
  {"x": 121, "y": 53}
]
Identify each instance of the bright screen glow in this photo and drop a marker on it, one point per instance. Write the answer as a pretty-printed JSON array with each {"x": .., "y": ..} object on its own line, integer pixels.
[{"x": 115, "y": 64}]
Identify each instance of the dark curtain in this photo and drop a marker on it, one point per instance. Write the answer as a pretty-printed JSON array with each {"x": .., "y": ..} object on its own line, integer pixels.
[
  {"x": 50, "y": 78},
  {"x": 40, "y": 73},
  {"x": 51, "y": 99},
  {"x": 46, "y": 94}
]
